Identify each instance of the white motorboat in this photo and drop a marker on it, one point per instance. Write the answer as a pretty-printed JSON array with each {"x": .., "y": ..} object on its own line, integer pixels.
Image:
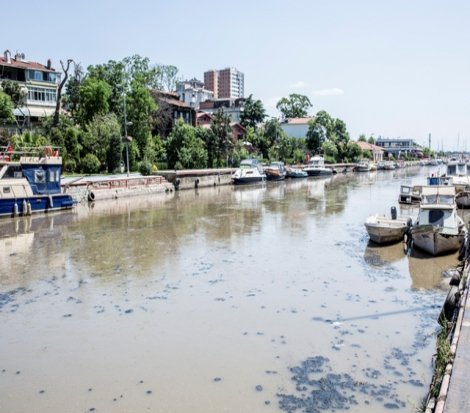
[
  {"x": 363, "y": 165},
  {"x": 438, "y": 229},
  {"x": 250, "y": 171},
  {"x": 316, "y": 166},
  {"x": 384, "y": 230}
]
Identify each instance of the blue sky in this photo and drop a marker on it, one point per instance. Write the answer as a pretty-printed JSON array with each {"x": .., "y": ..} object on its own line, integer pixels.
[{"x": 391, "y": 68}]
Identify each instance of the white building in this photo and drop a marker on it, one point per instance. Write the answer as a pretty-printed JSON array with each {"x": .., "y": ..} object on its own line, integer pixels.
[
  {"x": 192, "y": 92},
  {"x": 296, "y": 127}
]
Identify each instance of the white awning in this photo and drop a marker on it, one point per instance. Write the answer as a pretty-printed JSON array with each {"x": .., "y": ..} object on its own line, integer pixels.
[{"x": 33, "y": 112}]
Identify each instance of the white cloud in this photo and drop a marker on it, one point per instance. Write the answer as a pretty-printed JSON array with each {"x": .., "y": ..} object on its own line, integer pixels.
[
  {"x": 329, "y": 92},
  {"x": 298, "y": 85}
]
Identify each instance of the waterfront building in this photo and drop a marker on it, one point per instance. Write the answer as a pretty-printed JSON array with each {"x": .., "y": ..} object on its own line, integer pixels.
[
  {"x": 232, "y": 107},
  {"x": 38, "y": 82},
  {"x": 228, "y": 83},
  {"x": 192, "y": 92},
  {"x": 172, "y": 109},
  {"x": 296, "y": 127},
  {"x": 397, "y": 147},
  {"x": 376, "y": 151}
]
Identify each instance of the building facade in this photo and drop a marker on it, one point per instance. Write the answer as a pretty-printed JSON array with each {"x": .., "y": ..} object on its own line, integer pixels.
[
  {"x": 228, "y": 83},
  {"x": 232, "y": 107},
  {"x": 397, "y": 147},
  {"x": 376, "y": 151},
  {"x": 38, "y": 82},
  {"x": 296, "y": 127},
  {"x": 192, "y": 92}
]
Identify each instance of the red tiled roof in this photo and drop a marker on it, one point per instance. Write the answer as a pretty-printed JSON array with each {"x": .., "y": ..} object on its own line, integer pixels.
[
  {"x": 365, "y": 146},
  {"x": 20, "y": 64}
]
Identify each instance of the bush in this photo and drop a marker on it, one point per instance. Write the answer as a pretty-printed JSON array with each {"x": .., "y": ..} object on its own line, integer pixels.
[
  {"x": 90, "y": 164},
  {"x": 145, "y": 168},
  {"x": 70, "y": 165}
]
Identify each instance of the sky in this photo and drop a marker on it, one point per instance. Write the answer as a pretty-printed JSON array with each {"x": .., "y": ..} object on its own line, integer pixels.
[{"x": 390, "y": 68}]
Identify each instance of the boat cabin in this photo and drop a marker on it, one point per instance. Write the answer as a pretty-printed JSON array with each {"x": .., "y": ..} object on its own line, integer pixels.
[{"x": 438, "y": 207}]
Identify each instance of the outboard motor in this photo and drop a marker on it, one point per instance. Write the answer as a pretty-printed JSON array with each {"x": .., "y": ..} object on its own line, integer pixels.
[{"x": 393, "y": 211}]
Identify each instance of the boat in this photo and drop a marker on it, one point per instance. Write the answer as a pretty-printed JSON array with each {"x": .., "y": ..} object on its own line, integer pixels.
[
  {"x": 316, "y": 166},
  {"x": 438, "y": 229},
  {"x": 363, "y": 166},
  {"x": 384, "y": 230},
  {"x": 295, "y": 173},
  {"x": 457, "y": 171},
  {"x": 409, "y": 194},
  {"x": 275, "y": 171},
  {"x": 250, "y": 171},
  {"x": 30, "y": 181}
]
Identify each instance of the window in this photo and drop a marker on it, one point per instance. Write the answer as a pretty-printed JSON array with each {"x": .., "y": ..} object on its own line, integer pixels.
[
  {"x": 40, "y": 176},
  {"x": 436, "y": 217}
]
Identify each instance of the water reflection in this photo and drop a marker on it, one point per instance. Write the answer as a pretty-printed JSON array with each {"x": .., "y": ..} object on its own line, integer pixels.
[{"x": 228, "y": 287}]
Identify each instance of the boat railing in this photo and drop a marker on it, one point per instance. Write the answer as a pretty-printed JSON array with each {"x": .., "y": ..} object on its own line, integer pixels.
[{"x": 8, "y": 153}]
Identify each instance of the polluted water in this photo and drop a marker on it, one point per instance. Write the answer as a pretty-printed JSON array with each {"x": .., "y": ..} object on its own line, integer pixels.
[{"x": 263, "y": 298}]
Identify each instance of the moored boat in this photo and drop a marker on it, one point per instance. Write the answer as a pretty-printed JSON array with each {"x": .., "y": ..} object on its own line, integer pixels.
[
  {"x": 30, "y": 181},
  {"x": 295, "y": 173},
  {"x": 384, "y": 230},
  {"x": 363, "y": 165},
  {"x": 438, "y": 229},
  {"x": 275, "y": 171},
  {"x": 316, "y": 166},
  {"x": 250, "y": 171},
  {"x": 409, "y": 194}
]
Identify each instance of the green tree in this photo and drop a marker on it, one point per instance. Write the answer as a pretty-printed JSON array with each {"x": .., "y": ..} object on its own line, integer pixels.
[
  {"x": 184, "y": 148},
  {"x": 140, "y": 107},
  {"x": 371, "y": 140},
  {"x": 222, "y": 137},
  {"x": 253, "y": 113},
  {"x": 330, "y": 151},
  {"x": 362, "y": 138},
  {"x": 94, "y": 95},
  {"x": 6, "y": 109},
  {"x": 294, "y": 106},
  {"x": 103, "y": 139},
  {"x": 207, "y": 136}
]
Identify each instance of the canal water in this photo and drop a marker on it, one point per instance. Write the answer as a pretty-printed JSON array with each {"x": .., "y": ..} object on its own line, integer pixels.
[{"x": 253, "y": 299}]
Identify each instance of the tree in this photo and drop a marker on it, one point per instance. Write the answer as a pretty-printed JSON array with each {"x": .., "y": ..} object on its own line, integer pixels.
[
  {"x": 103, "y": 139},
  {"x": 362, "y": 138},
  {"x": 371, "y": 140},
  {"x": 184, "y": 148},
  {"x": 71, "y": 98},
  {"x": 6, "y": 109},
  {"x": 17, "y": 96},
  {"x": 222, "y": 137},
  {"x": 94, "y": 95},
  {"x": 295, "y": 106},
  {"x": 253, "y": 112},
  {"x": 65, "y": 69},
  {"x": 208, "y": 137},
  {"x": 140, "y": 107}
]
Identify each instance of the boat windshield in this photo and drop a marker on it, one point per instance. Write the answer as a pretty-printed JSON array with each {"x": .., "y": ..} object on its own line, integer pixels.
[
  {"x": 405, "y": 189},
  {"x": 438, "y": 199}
]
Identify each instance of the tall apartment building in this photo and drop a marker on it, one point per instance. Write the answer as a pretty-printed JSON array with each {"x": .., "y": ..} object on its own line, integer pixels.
[{"x": 226, "y": 83}]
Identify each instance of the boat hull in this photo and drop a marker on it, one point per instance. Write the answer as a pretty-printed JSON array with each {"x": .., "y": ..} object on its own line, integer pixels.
[
  {"x": 10, "y": 207},
  {"x": 318, "y": 172},
  {"x": 383, "y": 230},
  {"x": 248, "y": 180},
  {"x": 434, "y": 242}
]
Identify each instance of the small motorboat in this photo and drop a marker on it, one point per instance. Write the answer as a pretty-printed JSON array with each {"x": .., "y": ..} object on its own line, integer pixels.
[
  {"x": 250, "y": 171},
  {"x": 296, "y": 173},
  {"x": 275, "y": 171},
  {"x": 363, "y": 165},
  {"x": 438, "y": 229},
  {"x": 384, "y": 230},
  {"x": 316, "y": 166}
]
